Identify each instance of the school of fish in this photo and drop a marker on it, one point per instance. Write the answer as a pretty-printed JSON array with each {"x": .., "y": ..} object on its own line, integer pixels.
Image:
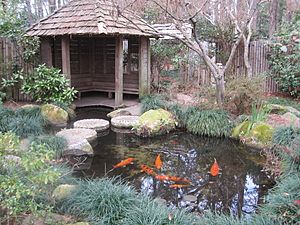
[{"x": 180, "y": 182}]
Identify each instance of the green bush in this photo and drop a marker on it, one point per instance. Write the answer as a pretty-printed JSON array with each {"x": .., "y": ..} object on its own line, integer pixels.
[
  {"x": 152, "y": 102},
  {"x": 212, "y": 123},
  {"x": 9, "y": 143},
  {"x": 284, "y": 58},
  {"x": 48, "y": 85},
  {"x": 285, "y": 135}
]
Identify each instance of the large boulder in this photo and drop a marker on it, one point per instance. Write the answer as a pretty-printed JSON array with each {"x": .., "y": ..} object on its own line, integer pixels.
[
  {"x": 95, "y": 124},
  {"x": 155, "y": 122},
  {"x": 280, "y": 109},
  {"x": 54, "y": 114},
  {"x": 63, "y": 191},
  {"x": 285, "y": 120},
  {"x": 124, "y": 121},
  {"x": 118, "y": 112}
]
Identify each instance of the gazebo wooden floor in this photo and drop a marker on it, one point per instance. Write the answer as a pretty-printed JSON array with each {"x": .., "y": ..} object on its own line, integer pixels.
[{"x": 100, "y": 100}]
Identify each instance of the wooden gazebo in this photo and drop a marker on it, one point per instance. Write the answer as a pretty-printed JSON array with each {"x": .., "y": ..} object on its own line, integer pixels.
[{"x": 97, "y": 47}]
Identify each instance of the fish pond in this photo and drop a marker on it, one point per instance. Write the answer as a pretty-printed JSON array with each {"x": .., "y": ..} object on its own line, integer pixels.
[{"x": 239, "y": 188}]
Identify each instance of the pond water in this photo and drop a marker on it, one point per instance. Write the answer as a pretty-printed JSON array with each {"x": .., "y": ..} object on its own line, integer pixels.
[{"x": 238, "y": 189}]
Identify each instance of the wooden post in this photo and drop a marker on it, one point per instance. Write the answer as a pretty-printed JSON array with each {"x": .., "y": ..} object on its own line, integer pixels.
[
  {"x": 46, "y": 52},
  {"x": 65, "y": 53},
  {"x": 144, "y": 66},
  {"x": 119, "y": 71}
]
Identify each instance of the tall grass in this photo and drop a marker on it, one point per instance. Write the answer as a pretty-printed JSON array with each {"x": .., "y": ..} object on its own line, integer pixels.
[
  {"x": 212, "y": 123},
  {"x": 153, "y": 102},
  {"x": 285, "y": 135},
  {"x": 23, "y": 122}
]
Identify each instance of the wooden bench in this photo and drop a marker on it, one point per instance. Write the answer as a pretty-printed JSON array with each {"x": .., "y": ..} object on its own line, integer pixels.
[{"x": 109, "y": 91}]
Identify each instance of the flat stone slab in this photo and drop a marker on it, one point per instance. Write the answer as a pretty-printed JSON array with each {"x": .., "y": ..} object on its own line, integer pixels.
[
  {"x": 95, "y": 124},
  {"x": 124, "y": 121},
  {"x": 78, "y": 141},
  {"x": 74, "y": 135}
]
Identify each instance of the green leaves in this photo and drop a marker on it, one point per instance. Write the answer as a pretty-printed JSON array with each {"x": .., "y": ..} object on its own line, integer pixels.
[
  {"x": 48, "y": 85},
  {"x": 285, "y": 58}
]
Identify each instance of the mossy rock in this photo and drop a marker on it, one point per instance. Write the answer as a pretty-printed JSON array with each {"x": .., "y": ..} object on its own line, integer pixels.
[
  {"x": 280, "y": 109},
  {"x": 240, "y": 129},
  {"x": 262, "y": 132},
  {"x": 63, "y": 191},
  {"x": 155, "y": 122},
  {"x": 79, "y": 223},
  {"x": 54, "y": 114}
]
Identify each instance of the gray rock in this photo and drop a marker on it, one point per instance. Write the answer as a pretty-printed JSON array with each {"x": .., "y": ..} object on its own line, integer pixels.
[
  {"x": 124, "y": 121},
  {"x": 54, "y": 114},
  {"x": 74, "y": 135},
  {"x": 95, "y": 124},
  {"x": 79, "y": 141},
  {"x": 63, "y": 191},
  {"x": 189, "y": 198},
  {"x": 118, "y": 112},
  {"x": 82, "y": 147}
]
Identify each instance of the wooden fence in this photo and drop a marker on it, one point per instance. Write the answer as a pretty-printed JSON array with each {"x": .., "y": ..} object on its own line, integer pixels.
[
  {"x": 10, "y": 60},
  {"x": 258, "y": 55}
]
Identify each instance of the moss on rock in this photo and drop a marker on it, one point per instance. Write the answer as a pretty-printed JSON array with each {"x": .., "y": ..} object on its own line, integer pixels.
[
  {"x": 155, "y": 122},
  {"x": 54, "y": 114},
  {"x": 262, "y": 132},
  {"x": 240, "y": 129}
]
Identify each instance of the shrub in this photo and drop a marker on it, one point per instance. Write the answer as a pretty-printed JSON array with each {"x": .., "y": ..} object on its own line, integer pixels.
[
  {"x": 48, "y": 85},
  {"x": 212, "y": 123},
  {"x": 242, "y": 93},
  {"x": 285, "y": 135},
  {"x": 9, "y": 143},
  {"x": 152, "y": 102},
  {"x": 284, "y": 58}
]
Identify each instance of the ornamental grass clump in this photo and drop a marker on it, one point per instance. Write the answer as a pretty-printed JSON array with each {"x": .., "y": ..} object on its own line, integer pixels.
[
  {"x": 285, "y": 135},
  {"x": 101, "y": 201},
  {"x": 212, "y": 123},
  {"x": 153, "y": 102}
]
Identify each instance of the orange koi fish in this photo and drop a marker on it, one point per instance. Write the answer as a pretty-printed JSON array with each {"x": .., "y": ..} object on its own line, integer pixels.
[
  {"x": 158, "y": 162},
  {"x": 215, "y": 169},
  {"x": 171, "y": 178},
  {"x": 147, "y": 170},
  {"x": 124, "y": 163},
  {"x": 179, "y": 185}
]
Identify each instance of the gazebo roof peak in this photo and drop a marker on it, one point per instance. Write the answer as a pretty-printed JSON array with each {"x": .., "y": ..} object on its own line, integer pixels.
[{"x": 80, "y": 17}]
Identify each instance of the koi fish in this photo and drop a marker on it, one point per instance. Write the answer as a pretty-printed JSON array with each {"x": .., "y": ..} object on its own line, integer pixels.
[
  {"x": 179, "y": 185},
  {"x": 215, "y": 169},
  {"x": 158, "y": 162},
  {"x": 171, "y": 178},
  {"x": 297, "y": 202},
  {"x": 147, "y": 170},
  {"x": 124, "y": 163}
]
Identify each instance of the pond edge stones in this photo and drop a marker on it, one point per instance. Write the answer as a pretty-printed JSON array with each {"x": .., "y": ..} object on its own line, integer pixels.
[
  {"x": 95, "y": 124},
  {"x": 124, "y": 121},
  {"x": 78, "y": 141}
]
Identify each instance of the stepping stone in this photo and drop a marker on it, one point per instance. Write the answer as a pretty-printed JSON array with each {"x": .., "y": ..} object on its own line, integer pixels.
[
  {"x": 124, "y": 121},
  {"x": 95, "y": 124},
  {"x": 78, "y": 141},
  {"x": 118, "y": 112}
]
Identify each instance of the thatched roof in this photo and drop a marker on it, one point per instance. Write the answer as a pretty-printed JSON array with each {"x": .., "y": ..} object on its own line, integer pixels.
[{"x": 91, "y": 17}]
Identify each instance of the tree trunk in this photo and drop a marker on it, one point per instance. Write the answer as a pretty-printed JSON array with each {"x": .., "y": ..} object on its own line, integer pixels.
[
  {"x": 29, "y": 12},
  {"x": 52, "y": 6},
  {"x": 273, "y": 17},
  {"x": 40, "y": 12},
  {"x": 246, "y": 49},
  {"x": 58, "y": 3}
]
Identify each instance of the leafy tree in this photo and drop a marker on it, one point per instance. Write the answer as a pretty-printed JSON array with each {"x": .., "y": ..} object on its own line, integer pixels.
[{"x": 285, "y": 57}]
